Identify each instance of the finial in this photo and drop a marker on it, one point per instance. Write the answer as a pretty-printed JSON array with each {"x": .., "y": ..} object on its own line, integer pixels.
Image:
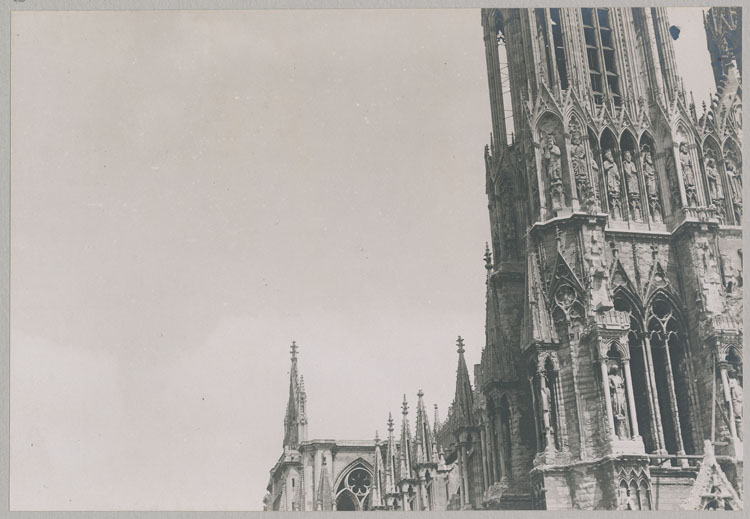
[
  {"x": 390, "y": 422},
  {"x": 302, "y": 383},
  {"x": 405, "y": 407},
  {"x": 294, "y": 350},
  {"x": 420, "y": 393},
  {"x": 460, "y": 344},
  {"x": 487, "y": 256},
  {"x": 377, "y": 437}
]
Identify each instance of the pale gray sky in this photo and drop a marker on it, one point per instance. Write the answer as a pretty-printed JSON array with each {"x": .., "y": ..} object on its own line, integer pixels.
[{"x": 193, "y": 190}]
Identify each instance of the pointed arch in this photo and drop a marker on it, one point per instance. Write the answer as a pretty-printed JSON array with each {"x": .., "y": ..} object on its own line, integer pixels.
[
  {"x": 353, "y": 484},
  {"x": 666, "y": 331}
]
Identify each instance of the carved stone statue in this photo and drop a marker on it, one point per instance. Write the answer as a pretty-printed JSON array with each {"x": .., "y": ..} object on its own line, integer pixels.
[
  {"x": 578, "y": 158},
  {"x": 735, "y": 390},
  {"x": 612, "y": 173},
  {"x": 688, "y": 175},
  {"x": 554, "y": 172},
  {"x": 619, "y": 402},
  {"x": 715, "y": 191},
  {"x": 652, "y": 188},
  {"x": 735, "y": 187},
  {"x": 714, "y": 181},
  {"x": 634, "y": 189}
]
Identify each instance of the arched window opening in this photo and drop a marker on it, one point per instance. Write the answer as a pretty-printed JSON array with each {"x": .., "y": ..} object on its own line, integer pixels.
[
  {"x": 557, "y": 40},
  {"x": 639, "y": 373},
  {"x": 354, "y": 489},
  {"x": 346, "y": 502},
  {"x": 544, "y": 39},
  {"x": 669, "y": 353},
  {"x": 600, "y": 51},
  {"x": 430, "y": 505}
]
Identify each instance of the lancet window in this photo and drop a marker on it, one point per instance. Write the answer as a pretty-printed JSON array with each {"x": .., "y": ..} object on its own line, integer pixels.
[
  {"x": 600, "y": 51},
  {"x": 672, "y": 380}
]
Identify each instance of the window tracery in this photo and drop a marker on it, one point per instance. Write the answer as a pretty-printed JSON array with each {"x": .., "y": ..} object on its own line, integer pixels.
[{"x": 354, "y": 489}]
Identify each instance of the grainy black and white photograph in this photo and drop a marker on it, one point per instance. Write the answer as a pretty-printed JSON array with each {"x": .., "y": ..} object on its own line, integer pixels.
[{"x": 376, "y": 259}]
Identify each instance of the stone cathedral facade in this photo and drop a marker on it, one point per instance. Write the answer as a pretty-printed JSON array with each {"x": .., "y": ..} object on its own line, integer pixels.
[{"x": 615, "y": 207}]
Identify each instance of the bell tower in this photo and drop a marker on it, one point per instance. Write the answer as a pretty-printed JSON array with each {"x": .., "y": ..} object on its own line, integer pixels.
[{"x": 615, "y": 214}]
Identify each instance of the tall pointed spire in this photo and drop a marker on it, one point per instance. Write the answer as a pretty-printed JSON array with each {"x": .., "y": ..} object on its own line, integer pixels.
[
  {"x": 424, "y": 436},
  {"x": 324, "y": 501},
  {"x": 391, "y": 465},
  {"x": 464, "y": 399},
  {"x": 295, "y": 421},
  {"x": 376, "y": 488},
  {"x": 406, "y": 454}
]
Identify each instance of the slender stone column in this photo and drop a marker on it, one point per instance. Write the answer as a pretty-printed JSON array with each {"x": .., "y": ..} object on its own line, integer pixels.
[
  {"x": 536, "y": 414},
  {"x": 631, "y": 399},
  {"x": 483, "y": 449},
  {"x": 562, "y": 431},
  {"x": 462, "y": 474},
  {"x": 653, "y": 395},
  {"x": 501, "y": 439},
  {"x": 673, "y": 400},
  {"x": 494, "y": 462},
  {"x": 728, "y": 398},
  {"x": 607, "y": 398}
]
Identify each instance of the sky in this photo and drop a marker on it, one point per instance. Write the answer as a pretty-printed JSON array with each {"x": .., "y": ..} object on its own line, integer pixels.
[{"x": 191, "y": 191}]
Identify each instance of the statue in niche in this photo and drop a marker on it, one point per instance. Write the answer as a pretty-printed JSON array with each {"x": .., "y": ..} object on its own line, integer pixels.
[
  {"x": 735, "y": 187},
  {"x": 735, "y": 391},
  {"x": 554, "y": 172},
  {"x": 714, "y": 181},
  {"x": 509, "y": 227},
  {"x": 548, "y": 412},
  {"x": 578, "y": 158},
  {"x": 674, "y": 194},
  {"x": 652, "y": 188},
  {"x": 619, "y": 401},
  {"x": 632, "y": 181},
  {"x": 715, "y": 191},
  {"x": 612, "y": 173},
  {"x": 688, "y": 175}
]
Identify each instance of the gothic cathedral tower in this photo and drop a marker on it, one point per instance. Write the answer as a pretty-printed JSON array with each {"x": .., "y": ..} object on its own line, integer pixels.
[{"x": 615, "y": 215}]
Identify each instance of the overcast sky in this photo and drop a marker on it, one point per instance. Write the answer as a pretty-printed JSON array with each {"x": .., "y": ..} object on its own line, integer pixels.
[{"x": 191, "y": 191}]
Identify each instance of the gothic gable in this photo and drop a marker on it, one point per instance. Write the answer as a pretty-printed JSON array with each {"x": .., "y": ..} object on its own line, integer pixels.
[{"x": 712, "y": 490}]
